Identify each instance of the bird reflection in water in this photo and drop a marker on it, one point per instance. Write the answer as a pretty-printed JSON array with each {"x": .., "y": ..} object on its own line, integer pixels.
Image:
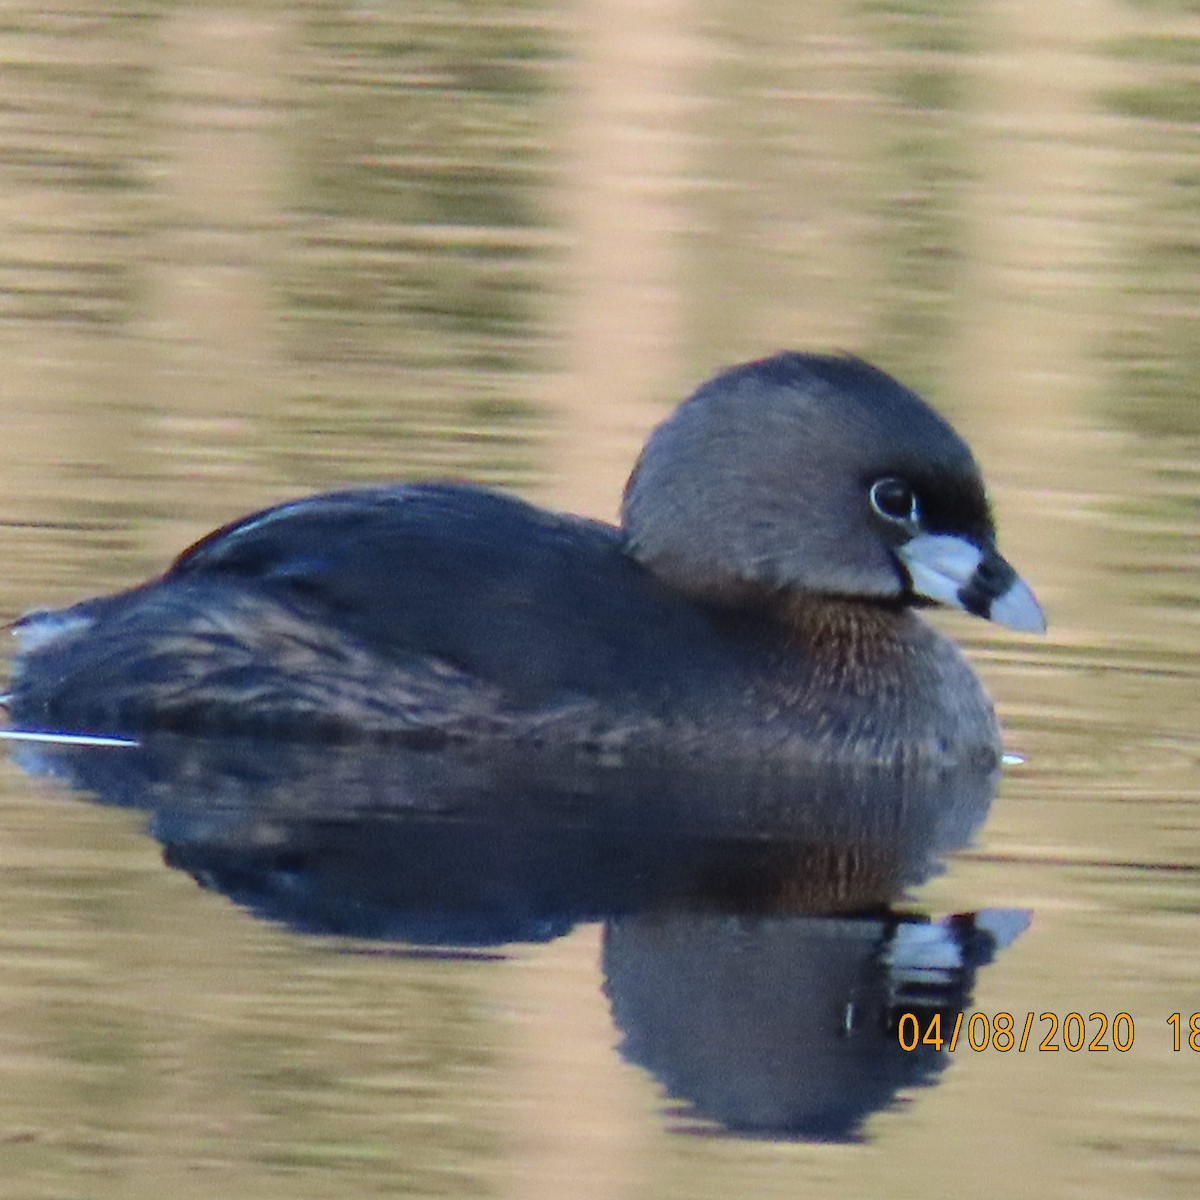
[{"x": 754, "y": 959}]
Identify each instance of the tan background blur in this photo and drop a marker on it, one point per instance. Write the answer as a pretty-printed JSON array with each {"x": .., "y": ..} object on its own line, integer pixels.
[{"x": 257, "y": 249}]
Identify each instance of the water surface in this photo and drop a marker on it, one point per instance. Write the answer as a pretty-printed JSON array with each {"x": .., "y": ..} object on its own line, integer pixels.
[{"x": 251, "y": 251}]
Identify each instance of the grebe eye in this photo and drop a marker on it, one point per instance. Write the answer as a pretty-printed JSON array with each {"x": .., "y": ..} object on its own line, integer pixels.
[{"x": 894, "y": 500}]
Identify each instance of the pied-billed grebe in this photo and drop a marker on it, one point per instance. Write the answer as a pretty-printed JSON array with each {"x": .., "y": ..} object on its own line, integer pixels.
[{"x": 777, "y": 531}]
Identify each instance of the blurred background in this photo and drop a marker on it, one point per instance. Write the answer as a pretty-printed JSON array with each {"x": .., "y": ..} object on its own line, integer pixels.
[{"x": 252, "y": 250}]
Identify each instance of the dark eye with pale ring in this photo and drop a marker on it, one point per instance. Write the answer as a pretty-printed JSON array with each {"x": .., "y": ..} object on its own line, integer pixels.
[{"x": 894, "y": 500}]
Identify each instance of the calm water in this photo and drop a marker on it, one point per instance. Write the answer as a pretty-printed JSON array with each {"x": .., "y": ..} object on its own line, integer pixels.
[{"x": 254, "y": 250}]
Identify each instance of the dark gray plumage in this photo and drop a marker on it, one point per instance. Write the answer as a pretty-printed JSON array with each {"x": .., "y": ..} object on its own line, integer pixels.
[{"x": 777, "y": 531}]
